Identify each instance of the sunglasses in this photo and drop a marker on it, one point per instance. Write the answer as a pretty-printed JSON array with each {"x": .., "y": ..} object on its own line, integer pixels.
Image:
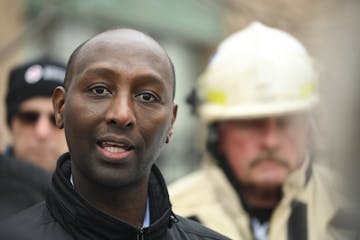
[{"x": 31, "y": 117}]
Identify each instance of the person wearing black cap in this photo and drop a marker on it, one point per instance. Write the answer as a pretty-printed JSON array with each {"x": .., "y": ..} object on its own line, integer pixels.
[{"x": 30, "y": 116}]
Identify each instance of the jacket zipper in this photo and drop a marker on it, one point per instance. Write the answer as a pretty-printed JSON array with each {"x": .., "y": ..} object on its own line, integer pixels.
[{"x": 140, "y": 235}]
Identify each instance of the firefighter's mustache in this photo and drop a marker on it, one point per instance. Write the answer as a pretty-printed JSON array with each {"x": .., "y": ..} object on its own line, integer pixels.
[{"x": 269, "y": 156}]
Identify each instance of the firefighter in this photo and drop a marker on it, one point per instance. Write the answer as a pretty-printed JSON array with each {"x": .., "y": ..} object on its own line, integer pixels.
[{"x": 260, "y": 177}]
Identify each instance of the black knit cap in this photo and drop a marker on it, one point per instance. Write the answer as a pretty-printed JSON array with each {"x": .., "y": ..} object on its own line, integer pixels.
[{"x": 37, "y": 78}]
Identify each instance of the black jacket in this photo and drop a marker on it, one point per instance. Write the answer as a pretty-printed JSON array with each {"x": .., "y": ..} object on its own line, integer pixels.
[
  {"x": 66, "y": 215},
  {"x": 21, "y": 185}
]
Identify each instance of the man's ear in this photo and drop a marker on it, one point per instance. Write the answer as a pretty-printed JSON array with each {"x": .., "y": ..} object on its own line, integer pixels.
[
  {"x": 58, "y": 100},
  {"x": 171, "y": 130}
]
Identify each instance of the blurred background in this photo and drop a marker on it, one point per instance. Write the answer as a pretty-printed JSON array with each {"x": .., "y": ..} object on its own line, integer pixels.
[{"x": 190, "y": 30}]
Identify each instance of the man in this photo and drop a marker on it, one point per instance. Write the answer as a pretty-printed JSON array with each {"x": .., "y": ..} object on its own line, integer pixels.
[
  {"x": 258, "y": 180},
  {"x": 30, "y": 117},
  {"x": 118, "y": 112}
]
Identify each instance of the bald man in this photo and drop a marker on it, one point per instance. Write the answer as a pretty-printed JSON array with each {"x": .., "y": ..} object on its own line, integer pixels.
[{"x": 117, "y": 109}]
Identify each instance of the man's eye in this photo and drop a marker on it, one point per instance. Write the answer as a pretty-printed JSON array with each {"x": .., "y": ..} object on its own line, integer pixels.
[
  {"x": 147, "y": 97},
  {"x": 100, "y": 91}
]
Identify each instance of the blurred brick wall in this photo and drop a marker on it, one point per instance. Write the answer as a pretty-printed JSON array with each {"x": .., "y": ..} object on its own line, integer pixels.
[{"x": 11, "y": 25}]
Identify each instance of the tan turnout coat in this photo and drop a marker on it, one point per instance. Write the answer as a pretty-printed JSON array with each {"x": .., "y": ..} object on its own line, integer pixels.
[{"x": 307, "y": 206}]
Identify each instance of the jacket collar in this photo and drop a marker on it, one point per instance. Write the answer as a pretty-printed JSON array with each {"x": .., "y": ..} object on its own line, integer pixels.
[
  {"x": 83, "y": 221},
  {"x": 299, "y": 178},
  {"x": 296, "y": 181}
]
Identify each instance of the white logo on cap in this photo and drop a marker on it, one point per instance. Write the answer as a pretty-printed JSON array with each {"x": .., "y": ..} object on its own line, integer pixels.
[
  {"x": 54, "y": 73},
  {"x": 33, "y": 74}
]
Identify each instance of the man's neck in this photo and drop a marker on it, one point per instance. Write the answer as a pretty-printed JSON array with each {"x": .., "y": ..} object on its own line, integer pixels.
[{"x": 127, "y": 204}]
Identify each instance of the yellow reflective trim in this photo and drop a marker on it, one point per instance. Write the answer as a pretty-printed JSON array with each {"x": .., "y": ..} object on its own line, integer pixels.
[
  {"x": 307, "y": 89},
  {"x": 216, "y": 97}
]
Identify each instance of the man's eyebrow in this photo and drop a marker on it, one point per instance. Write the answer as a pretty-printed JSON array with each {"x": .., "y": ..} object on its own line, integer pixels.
[
  {"x": 151, "y": 78},
  {"x": 99, "y": 71}
]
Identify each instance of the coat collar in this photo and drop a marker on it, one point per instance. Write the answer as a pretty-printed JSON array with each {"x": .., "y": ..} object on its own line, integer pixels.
[
  {"x": 83, "y": 221},
  {"x": 222, "y": 185}
]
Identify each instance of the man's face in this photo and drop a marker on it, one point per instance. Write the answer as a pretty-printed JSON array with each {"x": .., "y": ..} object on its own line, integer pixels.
[
  {"x": 262, "y": 152},
  {"x": 118, "y": 109},
  {"x": 35, "y": 135}
]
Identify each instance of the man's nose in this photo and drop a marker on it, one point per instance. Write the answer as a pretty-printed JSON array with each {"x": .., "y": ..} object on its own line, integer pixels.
[
  {"x": 271, "y": 133},
  {"x": 43, "y": 127},
  {"x": 121, "y": 112}
]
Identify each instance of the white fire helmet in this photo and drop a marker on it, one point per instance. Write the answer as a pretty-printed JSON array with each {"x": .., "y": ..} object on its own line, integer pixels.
[{"x": 257, "y": 72}]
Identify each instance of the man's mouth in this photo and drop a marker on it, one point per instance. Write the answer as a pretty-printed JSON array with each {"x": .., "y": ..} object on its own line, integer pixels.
[
  {"x": 118, "y": 148},
  {"x": 113, "y": 147}
]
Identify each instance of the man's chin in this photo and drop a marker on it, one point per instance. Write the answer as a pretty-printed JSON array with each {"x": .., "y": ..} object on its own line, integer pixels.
[
  {"x": 42, "y": 160},
  {"x": 268, "y": 186},
  {"x": 269, "y": 182}
]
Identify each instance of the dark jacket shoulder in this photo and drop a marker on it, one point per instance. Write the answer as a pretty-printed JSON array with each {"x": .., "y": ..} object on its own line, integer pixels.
[
  {"x": 32, "y": 223},
  {"x": 16, "y": 170},
  {"x": 21, "y": 185}
]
